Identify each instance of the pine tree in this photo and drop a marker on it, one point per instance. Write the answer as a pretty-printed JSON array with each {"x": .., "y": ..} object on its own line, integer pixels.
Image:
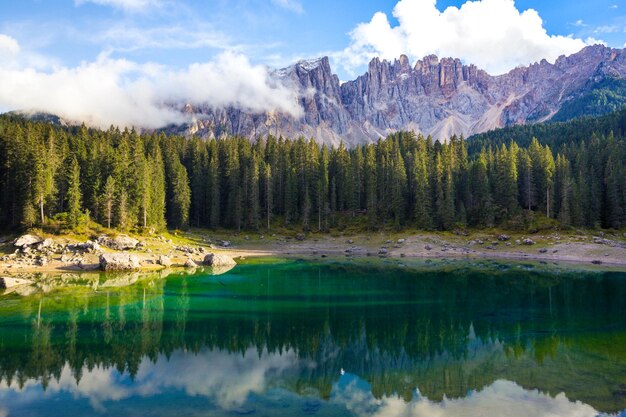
[
  {"x": 74, "y": 195},
  {"x": 109, "y": 199}
]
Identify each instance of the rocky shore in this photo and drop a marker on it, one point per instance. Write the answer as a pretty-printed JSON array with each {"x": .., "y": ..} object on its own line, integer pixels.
[{"x": 34, "y": 253}]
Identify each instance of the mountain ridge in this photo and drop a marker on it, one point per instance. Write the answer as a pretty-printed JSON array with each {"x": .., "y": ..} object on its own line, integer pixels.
[
  {"x": 438, "y": 97},
  {"x": 433, "y": 96}
]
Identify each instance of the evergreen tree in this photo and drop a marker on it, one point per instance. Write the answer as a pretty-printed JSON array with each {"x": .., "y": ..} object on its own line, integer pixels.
[
  {"x": 109, "y": 199},
  {"x": 74, "y": 195}
]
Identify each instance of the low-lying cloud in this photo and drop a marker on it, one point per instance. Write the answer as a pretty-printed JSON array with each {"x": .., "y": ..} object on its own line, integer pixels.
[
  {"x": 493, "y": 34},
  {"x": 125, "y": 93}
]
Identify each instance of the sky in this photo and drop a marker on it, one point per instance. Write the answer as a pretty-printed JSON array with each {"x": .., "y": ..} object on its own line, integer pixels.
[{"x": 126, "y": 61}]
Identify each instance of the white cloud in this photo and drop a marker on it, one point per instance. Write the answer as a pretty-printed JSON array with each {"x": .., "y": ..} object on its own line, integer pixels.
[
  {"x": 493, "y": 34},
  {"x": 124, "y": 93},
  {"x": 607, "y": 29},
  {"x": 8, "y": 46},
  {"x": 293, "y": 5},
  {"x": 128, "y": 5}
]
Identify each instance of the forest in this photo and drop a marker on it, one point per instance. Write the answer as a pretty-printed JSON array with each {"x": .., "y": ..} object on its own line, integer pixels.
[{"x": 567, "y": 174}]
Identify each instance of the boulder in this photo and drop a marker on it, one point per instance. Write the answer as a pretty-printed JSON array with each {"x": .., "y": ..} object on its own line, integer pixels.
[
  {"x": 217, "y": 259},
  {"x": 528, "y": 242},
  {"x": 119, "y": 262},
  {"x": 47, "y": 243},
  {"x": 225, "y": 244},
  {"x": 164, "y": 261},
  {"x": 121, "y": 242},
  {"x": 7, "y": 283},
  {"x": 504, "y": 238},
  {"x": 27, "y": 240},
  {"x": 190, "y": 264}
]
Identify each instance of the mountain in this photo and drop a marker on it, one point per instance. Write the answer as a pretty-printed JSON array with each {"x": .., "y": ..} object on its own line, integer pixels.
[{"x": 439, "y": 97}]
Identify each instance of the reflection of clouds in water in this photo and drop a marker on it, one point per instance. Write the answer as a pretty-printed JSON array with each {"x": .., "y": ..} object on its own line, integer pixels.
[
  {"x": 225, "y": 378},
  {"x": 228, "y": 379},
  {"x": 502, "y": 398}
]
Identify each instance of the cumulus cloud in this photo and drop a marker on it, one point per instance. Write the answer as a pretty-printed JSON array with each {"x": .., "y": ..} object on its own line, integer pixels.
[
  {"x": 8, "y": 45},
  {"x": 125, "y": 93},
  {"x": 128, "y": 5},
  {"x": 293, "y": 5},
  {"x": 493, "y": 34}
]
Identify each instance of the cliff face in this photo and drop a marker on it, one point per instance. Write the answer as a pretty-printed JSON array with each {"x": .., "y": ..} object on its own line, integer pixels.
[{"x": 436, "y": 97}]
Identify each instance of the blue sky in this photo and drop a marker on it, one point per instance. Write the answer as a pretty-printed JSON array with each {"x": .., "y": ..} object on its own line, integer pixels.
[
  {"x": 271, "y": 32},
  {"x": 143, "y": 53}
]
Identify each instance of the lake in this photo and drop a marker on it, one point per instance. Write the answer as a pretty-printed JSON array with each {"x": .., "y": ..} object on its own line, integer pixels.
[{"x": 313, "y": 338}]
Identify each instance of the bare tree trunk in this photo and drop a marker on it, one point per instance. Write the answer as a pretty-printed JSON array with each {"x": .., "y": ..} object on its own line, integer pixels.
[{"x": 41, "y": 209}]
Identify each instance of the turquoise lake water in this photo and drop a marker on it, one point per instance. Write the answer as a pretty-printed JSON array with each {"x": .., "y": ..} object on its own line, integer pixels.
[{"x": 334, "y": 338}]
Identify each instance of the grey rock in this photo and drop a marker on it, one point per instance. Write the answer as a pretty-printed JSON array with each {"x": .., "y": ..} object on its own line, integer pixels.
[
  {"x": 121, "y": 242},
  {"x": 9, "y": 282},
  {"x": 27, "y": 240},
  {"x": 225, "y": 244},
  {"x": 164, "y": 261},
  {"x": 434, "y": 96},
  {"x": 218, "y": 259},
  {"x": 428, "y": 247},
  {"x": 504, "y": 238},
  {"x": 528, "y": 242},
  {"x": 119, "y": 262},
  {"x": 190, "y": 263}
]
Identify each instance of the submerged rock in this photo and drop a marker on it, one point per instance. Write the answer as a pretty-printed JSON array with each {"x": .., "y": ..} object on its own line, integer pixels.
[
  {"x": 7, "y": 283},
  {"x": 119, "y": 262},
  {"x": 217, "y": 259}
]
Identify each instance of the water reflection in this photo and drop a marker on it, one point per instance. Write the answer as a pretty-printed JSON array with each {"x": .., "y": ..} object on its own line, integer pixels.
[
  {"x": 274, "y": 340},
  {"x": 247, "y": 384}
]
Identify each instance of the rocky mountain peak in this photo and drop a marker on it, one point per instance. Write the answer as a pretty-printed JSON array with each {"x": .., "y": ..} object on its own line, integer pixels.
[{"x": 436, "y": 96}]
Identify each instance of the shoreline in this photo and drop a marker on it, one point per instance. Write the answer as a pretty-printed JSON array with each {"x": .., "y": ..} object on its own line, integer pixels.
[{"x": 557, "y": 248}]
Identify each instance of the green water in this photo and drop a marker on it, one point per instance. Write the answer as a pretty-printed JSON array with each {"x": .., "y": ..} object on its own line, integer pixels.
[{"x": 327, "y": 339}]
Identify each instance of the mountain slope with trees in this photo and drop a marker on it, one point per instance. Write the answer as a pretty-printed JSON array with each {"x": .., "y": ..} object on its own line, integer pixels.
[{"x": 572, "y": 175}]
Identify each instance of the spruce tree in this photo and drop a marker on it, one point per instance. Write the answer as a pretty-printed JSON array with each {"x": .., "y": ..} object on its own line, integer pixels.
[{"x": 74, "y": 195}]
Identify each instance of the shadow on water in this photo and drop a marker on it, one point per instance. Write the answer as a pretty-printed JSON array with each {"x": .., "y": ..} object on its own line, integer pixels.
[{"x": 332, "y": 338}]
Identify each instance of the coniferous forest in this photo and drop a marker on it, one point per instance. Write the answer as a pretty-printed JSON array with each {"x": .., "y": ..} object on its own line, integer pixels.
[{"x": 569, "y": 174}]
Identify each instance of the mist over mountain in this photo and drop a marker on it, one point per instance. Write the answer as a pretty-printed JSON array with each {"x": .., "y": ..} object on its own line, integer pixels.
[{"x": 438, "y": 97}]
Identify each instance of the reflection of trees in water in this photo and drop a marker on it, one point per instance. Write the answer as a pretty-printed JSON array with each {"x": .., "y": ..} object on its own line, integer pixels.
[{"x": 410, "y": 331}]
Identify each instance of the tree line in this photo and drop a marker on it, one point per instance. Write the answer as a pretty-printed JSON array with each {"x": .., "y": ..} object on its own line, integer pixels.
[{"x": 125, "y": 180}]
